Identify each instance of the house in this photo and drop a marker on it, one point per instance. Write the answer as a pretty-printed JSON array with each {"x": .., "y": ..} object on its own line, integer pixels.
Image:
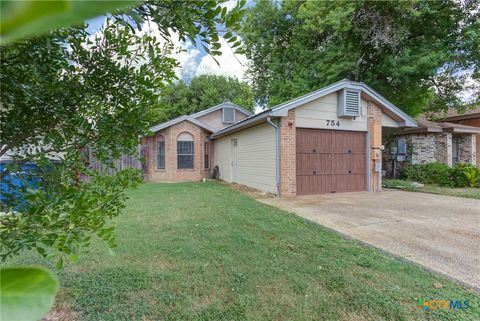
[
  {"x": 468, "y": 118},
  {"x": 327, "y": 141},
  {"x": 450, "y": 140}
]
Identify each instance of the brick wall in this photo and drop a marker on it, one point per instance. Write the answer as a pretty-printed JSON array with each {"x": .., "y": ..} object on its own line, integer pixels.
[
  {"x": 424, "y": 147},
  {"x": 288, "y": 166},
  {"x": 171, "y": 173},
  {"x": 375, "y": 119},
  {"x": 467, "y": 149},
  {"x": 443, "y": 148}
]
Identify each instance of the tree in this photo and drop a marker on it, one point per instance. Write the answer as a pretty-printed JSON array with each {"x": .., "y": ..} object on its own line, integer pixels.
[
  {"x": 67, "y": 90},
  {"x": 202, "y": 92},
  {"x": 418, "y": 54}
]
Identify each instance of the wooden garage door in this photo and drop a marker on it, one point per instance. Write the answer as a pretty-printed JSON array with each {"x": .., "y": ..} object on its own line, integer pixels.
[{"x": 330, "y": 161}]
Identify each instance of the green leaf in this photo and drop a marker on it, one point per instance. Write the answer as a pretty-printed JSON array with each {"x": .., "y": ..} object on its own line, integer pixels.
[
  {"x": 26, "y": 293},
  {"x": 27, "y": 18}
]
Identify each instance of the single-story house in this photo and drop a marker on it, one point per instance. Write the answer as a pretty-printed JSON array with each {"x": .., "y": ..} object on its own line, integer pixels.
[
  {"x": 468, "y": 118},
  {"x": 326, "y": 141},
  {"x": 449, "y": 140}
]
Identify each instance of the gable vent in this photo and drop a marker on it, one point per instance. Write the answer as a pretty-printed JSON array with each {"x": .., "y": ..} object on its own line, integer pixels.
[{"x": 348, "y": 103}]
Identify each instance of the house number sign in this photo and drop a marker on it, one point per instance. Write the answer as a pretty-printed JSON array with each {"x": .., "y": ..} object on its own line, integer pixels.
[{"x": 333, "y": 123}]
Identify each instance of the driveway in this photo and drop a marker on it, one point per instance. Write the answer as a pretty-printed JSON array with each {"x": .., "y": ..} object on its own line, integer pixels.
[{"x": 441, "y": 233}]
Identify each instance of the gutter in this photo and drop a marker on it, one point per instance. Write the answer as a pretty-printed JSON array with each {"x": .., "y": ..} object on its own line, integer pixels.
[{"x": 277, "y": 154}]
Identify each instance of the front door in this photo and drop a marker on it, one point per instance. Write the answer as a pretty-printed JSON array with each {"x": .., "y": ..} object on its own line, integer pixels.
[{"x": 234, "y": 157}]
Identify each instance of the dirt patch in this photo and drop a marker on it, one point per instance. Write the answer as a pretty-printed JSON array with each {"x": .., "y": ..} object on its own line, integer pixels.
[
  {"x": 250, "y": 191},
  {"x": 61, "y": 314}
]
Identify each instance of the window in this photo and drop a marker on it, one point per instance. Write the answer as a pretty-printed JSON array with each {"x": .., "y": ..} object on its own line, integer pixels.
[
  {"x": 229, "y": 115},
  {"x": 455, "y": 158},
  {"x": 185, "y": 151},
  {"x": 402, "y": 146},
  {"x": 206, "y": 154},
  {"x": 161, "y": 154}
]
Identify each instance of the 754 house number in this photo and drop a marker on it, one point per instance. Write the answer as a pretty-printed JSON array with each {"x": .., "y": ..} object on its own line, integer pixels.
[{"x": 333, "y": 123}]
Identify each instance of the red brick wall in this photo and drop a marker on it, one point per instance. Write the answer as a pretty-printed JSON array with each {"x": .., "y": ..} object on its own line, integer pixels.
[
  {"x": 171, "y": 173},
  {"x": 288, "y": 166}
]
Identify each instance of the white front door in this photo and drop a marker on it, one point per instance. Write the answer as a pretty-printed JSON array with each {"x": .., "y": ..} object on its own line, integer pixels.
[{"x": 234, "y": 161}]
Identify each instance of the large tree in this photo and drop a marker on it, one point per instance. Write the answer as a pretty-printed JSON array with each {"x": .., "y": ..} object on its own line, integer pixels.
[
  {"x": 202, "y": 92},
  {"x": 419, "y": 54},
  {"x": 65, "y": 90}
]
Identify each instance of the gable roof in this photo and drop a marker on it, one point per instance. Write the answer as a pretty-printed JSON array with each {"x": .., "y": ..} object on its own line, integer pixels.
[
  {"x": 220, "y": 106},
  {"x": 282, "y": 109},
  {"x": 177, "y": 120},
  {"x": 193, "y": 117}
]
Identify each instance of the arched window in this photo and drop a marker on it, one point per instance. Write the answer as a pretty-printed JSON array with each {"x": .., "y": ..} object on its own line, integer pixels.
[
  {"x": 161, "y": 152},
  {"x": 185, "y": 151}
]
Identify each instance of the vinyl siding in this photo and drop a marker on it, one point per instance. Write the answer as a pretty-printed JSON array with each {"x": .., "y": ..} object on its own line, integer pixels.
[
  {"x": 255, "y": 157},
  {"x": 388, "y": 122},
  {"x": 320, "y": 112}
]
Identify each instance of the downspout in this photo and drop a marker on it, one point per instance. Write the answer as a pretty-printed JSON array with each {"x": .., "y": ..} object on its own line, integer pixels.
[{"x": 277, "y": 154}]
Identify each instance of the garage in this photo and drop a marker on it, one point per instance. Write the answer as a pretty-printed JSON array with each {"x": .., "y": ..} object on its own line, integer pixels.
[{"x": 330, "y": 161}]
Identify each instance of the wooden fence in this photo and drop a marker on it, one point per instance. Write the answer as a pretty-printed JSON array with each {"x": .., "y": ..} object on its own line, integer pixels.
[{"x": 126, "y": 161}]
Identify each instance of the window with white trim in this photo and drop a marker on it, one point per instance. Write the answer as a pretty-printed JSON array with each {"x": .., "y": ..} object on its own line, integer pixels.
[
  {"x": 161, "y": 154},
  {"x": 228, "y": 115},
  {"x": 185, "y": 151}
]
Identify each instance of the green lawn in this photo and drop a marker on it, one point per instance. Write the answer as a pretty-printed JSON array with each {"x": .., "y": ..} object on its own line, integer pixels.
[
  {"x": 203, "y": 251},
  {"x": 433, "y": 189}
]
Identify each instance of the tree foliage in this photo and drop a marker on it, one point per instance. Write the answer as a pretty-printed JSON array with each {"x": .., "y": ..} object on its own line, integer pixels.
[
  {"x": 418, "y": 54},
  {"x": 66, "y": 90},
  {"x": 202, "y": 92}
]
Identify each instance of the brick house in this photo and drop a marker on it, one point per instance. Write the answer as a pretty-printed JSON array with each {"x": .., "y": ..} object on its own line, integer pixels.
[
  {"x": 452, "y": 139},
  {"x": 327, "y": 141}
]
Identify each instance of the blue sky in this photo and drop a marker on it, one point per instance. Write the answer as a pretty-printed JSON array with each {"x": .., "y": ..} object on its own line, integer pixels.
[{"x": 195, "y": 61}]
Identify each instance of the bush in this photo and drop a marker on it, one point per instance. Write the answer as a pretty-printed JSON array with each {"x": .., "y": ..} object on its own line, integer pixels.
[
  {"x": 467, "y": 175},
  {"x": 431, "y": 173},
  {"x": 461, "y": 175}
]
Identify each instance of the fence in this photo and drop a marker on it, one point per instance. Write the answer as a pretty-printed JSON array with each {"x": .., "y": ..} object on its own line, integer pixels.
[{"x": 126, "y": 161}]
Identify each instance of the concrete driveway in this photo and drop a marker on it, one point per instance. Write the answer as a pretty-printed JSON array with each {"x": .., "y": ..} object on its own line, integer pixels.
[{"x": 441, "y": 233}]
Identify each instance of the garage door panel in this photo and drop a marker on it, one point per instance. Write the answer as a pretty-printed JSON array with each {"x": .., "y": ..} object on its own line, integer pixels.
[
  {"x": 330, "y": 161},
  {"x": 314, "y": 184}
]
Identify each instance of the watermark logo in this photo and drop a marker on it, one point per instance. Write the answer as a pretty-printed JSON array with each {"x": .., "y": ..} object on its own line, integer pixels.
[{"x": 442, "y": 304}]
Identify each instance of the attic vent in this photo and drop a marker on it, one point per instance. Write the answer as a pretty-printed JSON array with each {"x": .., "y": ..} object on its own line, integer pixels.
[{"x": 348, "y": 103}]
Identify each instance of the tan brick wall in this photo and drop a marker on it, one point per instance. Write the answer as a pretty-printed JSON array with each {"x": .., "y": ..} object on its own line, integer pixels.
[
  {"x": 288, "y": 166},
  {"x": 171, "y": 173},
  {"x": 443, "y": 148},
  {"x": 375, "y": 119}
]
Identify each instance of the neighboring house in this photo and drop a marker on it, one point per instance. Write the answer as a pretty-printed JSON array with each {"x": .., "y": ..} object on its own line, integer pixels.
[
  {"x": 449, "y": 140},
  {"x": 327, "y": 141},
  {"x": 469, "y": 118}
]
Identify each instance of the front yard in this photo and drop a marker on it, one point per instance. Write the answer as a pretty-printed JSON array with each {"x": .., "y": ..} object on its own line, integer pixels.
[
  {"x": 468, "y": 192},
  {"x": 203, "y": 251}
]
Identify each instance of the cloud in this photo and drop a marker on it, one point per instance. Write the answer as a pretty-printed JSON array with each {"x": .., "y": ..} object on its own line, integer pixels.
[{"x": 229, "y": 64}]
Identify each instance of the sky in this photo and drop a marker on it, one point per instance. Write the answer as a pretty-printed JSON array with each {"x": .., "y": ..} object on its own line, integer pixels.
[{"x": 194, "y": 61}]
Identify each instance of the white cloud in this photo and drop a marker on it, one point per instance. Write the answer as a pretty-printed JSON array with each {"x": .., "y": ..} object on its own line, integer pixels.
[{"x": 229, "y": 64}]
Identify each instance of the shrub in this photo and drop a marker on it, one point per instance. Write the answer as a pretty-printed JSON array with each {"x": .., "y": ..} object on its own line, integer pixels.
[
  {"x": 468, "y": 175},
  {"x": 462, "y": 175},
  {"x": 431, "y": 173}
]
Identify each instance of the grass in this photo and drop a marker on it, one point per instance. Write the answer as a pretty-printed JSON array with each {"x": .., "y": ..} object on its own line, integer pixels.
[
  {"x": 467, "y": 192},
  {"x": 203, "y": 251}
]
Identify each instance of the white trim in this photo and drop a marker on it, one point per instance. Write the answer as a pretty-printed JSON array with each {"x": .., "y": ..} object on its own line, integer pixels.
[
  {"x": 282, "y": 109},
  {"x": 177, "y": 120},
  {"x": 217, "y": 107}
]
